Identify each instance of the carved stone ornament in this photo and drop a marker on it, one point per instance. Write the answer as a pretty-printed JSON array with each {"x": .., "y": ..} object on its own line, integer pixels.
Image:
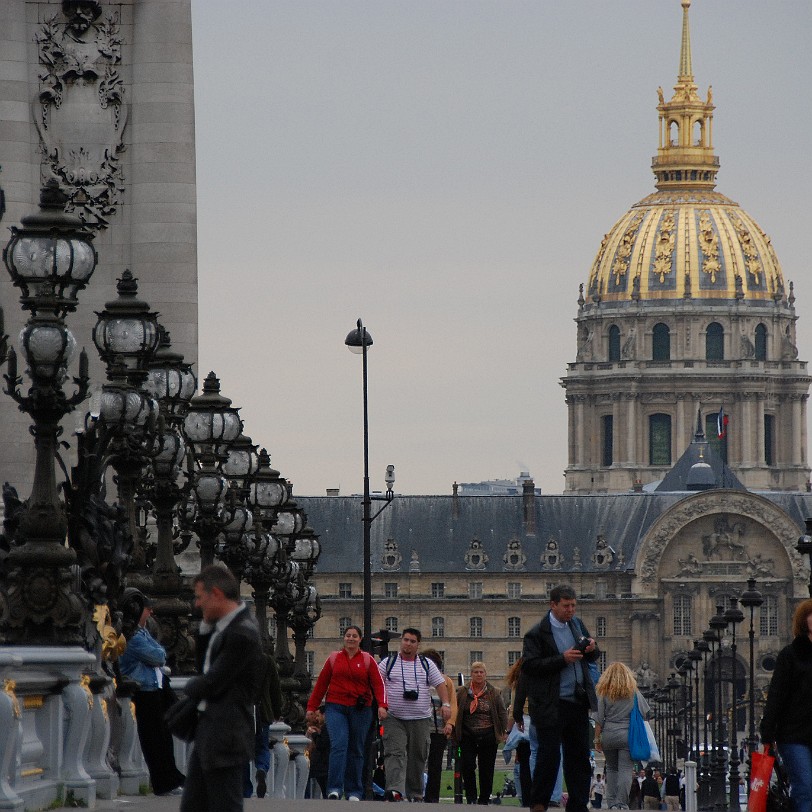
[
  {"x": 724, "y": 543},
  {"x": 551, "y": 558},
  {"x": 604, "y": 555},
  {"x": 414, "y": 564},
  {"x": 576, "y": 558},
  {"x": 391, "y": 558},
  {"x": 514, "y": 556},
  {"x": 689, "y": 566},
  {"x": 709, "y": 243},
  {"x": 80, "y": 113},
  {"x": 476, "y": 557},
  {"x": 730, "y": 504}
]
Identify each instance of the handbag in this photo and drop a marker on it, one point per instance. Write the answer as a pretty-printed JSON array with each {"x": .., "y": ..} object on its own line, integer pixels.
[
  {"x": 181, "y": 719},
  {"x": 778, "y": 797},
  {"x": 639, "y": 749}
]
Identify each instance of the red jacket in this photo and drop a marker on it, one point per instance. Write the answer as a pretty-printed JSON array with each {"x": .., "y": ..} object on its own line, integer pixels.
[{"x": 343, "y": 680}]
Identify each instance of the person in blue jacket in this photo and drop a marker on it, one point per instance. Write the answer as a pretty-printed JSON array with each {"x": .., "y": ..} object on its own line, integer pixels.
[{"x": 142, "y": 661}]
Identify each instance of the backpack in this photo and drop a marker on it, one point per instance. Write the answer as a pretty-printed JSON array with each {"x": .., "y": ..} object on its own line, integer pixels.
[{"x": 392, "y": 658}]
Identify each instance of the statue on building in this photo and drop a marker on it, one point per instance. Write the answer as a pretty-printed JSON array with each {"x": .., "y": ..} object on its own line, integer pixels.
[{"x": 646, "y": 676}]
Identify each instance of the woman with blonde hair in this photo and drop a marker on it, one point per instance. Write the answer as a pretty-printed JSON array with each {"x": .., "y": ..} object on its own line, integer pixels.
[{"x": 616, "y": 690}]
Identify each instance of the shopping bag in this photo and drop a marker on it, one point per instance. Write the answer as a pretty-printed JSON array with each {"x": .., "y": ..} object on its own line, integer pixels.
[
  {"x": 639, "y": 748},
  {"x": 760, "y": 772},
  {"x": 654, "y": 750},
  {"x": 778, "y": 797}
]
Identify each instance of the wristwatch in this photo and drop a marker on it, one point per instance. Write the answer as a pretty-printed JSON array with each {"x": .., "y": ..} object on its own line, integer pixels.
[{"x": 446, "y": 704}]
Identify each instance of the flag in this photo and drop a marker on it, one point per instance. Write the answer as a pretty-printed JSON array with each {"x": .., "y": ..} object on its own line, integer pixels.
[{"x": 721, "y": 423}]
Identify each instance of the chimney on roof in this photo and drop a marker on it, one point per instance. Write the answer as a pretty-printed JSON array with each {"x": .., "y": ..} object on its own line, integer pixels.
[
  {"x": 455, "y": 501},
  {"x": 529, "y": 499}
]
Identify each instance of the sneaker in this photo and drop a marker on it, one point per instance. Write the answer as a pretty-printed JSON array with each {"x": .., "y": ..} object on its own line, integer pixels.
[
  {"x": 333, "y": 796},
  {"x": 353, "y": 798},
  {"x": 262, "y": 783},
  {"x": 176, "y": 791}
]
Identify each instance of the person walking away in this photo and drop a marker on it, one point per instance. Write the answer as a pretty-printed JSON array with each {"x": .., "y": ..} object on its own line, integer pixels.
[
  {"x": 650, "y": 791},
  {"x": 635, "y": 796},
  {"x": 143, "y": 661},
  {"x": 268, "y": 709},
  {"x": 787, "y": 720},
  {"x": 347, "y": 683},
  {"x": 671, "y": 790},
  {"x": 481, "y": 725},
  {"x": 319, "y": 751},
  {"x": 229, "y": 659},
  {"x": 561, "y": 695},
  {"x": 440, "y": 733},
  {"x": 616, "y": 691},
  {"x": 596, "y": 792},
  {"x": 408, "y": 677}
]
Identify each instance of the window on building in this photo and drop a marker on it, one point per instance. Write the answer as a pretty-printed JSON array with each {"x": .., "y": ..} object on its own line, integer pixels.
[
  {"x": 475, "y": 627},
  {"x": 600, "y": 627},
  {"x": 513, "y": 658},
  {"x": 607, "y": 439},
  {"x": 602, "y": 661},
  {"x": 682, "y": 616},
  {"x": 309, "y": 662},
  {"x": 514, "y": 627},
  {"x": 769, "y": 439},
  {"x": 514, "y": 589},
  {"x": 475, "y": 657},
  {"x": 438, "y": 589},
  {"x": 390, "y": 589},
  {"x": 761, "y": 342},
  {"x": 344, "y": 623},
  {"x": 600, "y": 589},
  {"x": 391, "y": 624},
  {"x": 614, "y": 343},
  {"x": 438, "y": 627},
  {"x": 659, "y": 440},
  {"x": 344, "y": 589},
  {"x": 768, "y": 623},
  {"x": 714, "y": 342},
  {"x": 475, "y": 590},
  {"x": 661, "y": 343}
]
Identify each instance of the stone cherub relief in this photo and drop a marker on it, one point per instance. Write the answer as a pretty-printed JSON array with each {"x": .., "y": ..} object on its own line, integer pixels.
[
  {"x": 475, "y": 557},
  {"x": 690, "y": 565},
  {"x": 80, "y": 113},
  {"x": 724, "y": 543}
]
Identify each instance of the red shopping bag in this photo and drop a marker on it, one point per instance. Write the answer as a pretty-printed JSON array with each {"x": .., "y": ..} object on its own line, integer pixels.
[{"x": 760, "y": 774}]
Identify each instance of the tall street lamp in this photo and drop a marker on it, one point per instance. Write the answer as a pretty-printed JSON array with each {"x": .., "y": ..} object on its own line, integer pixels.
[
  {"x": 750, "y": 599},
  {"x": 804, "y": 547},
  {"x": 734, "y": 616},
  {"x": 718, "y": 624},
  {"x": 359, "y": 341}
]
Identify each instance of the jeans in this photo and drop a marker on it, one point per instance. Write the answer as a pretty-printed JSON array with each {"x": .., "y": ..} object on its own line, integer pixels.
[
  {"x": 347, "y": 727},
  {"x": 798, "y": 761},
  {"x": 262, "y": 759}
]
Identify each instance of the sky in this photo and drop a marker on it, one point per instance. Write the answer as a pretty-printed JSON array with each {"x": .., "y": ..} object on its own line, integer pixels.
[{"x": 445, "y": 170}]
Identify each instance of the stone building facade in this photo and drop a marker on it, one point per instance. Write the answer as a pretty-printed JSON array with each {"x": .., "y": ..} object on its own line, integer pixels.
[{"x": 100, "y": 96}]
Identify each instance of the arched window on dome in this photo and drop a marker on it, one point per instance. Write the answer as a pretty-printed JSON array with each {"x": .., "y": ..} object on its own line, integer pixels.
[
  {"x": 714, "y": 342},
  {"x": 698, "y": 134},
  {"x": 659, "y": 439},
  {"x": 614, "y": 343},
  {"x": 761, "y": 342},
  {"x": 673, "y": 133},
  {"x": 661, "y": 343}
]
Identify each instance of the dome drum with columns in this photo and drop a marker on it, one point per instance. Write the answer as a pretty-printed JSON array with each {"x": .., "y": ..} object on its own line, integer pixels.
[{"x": 685, "y": 307}]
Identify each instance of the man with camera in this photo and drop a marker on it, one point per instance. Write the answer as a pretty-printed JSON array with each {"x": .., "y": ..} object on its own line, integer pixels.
[
  {"x": 408, "y": 677},
  {"x": 561, "y": 694}
]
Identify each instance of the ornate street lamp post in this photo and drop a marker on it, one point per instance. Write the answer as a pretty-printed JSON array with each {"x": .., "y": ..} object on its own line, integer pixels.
[
  {"x": 703, "y": 648},
  {"x": 718, "y": 624},
  {"x": 804, "y": 547},
  {"x": 751, "y": 598},
  {"x": 673, "y": 731},
  {"x": 359, "y": 341},
  {"x": 734, "y": 616},
  {"x": 50, "y": 259}
]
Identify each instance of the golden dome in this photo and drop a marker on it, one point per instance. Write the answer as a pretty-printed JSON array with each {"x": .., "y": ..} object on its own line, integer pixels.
[{"x": 685, "y": 240}]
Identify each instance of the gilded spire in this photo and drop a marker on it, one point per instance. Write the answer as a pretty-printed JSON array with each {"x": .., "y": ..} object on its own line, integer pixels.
[
  {"x": 686, "y": 73},
  {"x": 685, "y": 158}
]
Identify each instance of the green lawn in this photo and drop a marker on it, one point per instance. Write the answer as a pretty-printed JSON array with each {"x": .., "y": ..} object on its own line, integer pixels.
[{"x": 447, "y": 783}]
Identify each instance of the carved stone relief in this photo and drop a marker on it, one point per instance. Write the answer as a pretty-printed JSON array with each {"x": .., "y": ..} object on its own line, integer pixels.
[
  {"x": 391, "y": 558},
  {"x": 514, "y": 556},
  {"x": 551, "y": 556},
  {"x": 476, "y": 557},
  {"x": 81, "y": 113}
]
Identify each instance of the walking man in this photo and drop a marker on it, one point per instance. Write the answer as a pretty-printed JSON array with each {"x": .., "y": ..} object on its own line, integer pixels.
[
  {"x": 407, "y": 677},
  {"x": 561, "y": 694},
  {"x": 229, "y": 660}
]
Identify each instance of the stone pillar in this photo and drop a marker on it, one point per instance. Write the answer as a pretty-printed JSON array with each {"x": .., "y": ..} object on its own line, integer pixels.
[{"x": 280, "y": 757}]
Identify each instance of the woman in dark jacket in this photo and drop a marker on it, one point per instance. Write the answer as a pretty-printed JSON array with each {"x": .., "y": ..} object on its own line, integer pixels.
[
  {"x": 481, "y": 725},
  {"x": 787, "y": 720}
]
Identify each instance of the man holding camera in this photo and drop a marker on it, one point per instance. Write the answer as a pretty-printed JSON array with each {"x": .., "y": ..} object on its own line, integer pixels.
[
  {"x": 408, "y": 677},
  {"x": 561, "y": 694}
]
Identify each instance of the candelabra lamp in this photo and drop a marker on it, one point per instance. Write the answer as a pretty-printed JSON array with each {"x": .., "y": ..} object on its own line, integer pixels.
[
  {"x": 50, "y": 258},
  {"x": 718, "y": 625},
  {"x": 751, "y": 599}
]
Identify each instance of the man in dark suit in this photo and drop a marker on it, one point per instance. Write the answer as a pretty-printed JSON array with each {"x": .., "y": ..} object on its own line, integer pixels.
[
  {"x": 561, "y": 694},
  {"x": 229, "y": 655}
]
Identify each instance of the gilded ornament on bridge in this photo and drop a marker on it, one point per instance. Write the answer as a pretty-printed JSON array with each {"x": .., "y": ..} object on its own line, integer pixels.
[
  {"x": 748, "y": 249},
  {"x": 9, "y": 687},
  {"x": 624, "y": 251},
  {"x": 709, "y": 243},
  {"x": 664, "y": 248}
]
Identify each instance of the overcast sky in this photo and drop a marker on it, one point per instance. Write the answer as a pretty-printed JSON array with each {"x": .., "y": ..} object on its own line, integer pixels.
[{"x": 446, "y": 169}]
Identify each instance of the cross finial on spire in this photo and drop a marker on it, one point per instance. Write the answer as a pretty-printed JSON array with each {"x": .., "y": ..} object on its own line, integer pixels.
[{"x": 686, "y": 72}]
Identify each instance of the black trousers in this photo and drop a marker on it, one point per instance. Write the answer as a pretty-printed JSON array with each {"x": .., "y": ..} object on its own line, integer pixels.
[
  {"x": 434, "y": 767},
  {"x": 478, "y": 751},
  {"x": 211, "y": 790},
  {"x": 570, "y": 732},
  {"x": 156, "y": 741},
  {"x": 525, "y": 776}
]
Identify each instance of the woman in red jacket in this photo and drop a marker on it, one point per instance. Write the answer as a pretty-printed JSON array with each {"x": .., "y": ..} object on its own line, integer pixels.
[{"x": 347, "y": 683}]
